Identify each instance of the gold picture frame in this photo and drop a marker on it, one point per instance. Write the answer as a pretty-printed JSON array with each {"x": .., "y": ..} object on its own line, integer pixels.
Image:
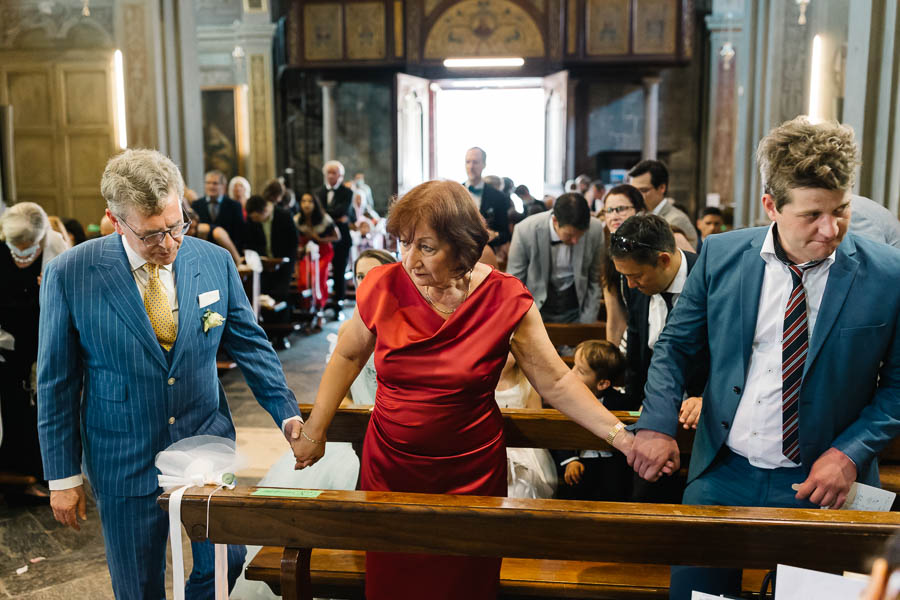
[{"x": 225, "y": 133}]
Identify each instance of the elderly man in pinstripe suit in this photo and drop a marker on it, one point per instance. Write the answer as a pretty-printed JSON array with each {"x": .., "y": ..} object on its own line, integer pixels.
[{"x": 130, "y": 325}]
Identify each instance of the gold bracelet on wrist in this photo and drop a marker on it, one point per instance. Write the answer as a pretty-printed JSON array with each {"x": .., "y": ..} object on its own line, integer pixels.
[
  {"x": 309, "y": 439},
  {"x": 611, "y": 436}
]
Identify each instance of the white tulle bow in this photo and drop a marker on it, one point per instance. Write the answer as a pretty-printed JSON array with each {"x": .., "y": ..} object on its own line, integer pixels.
[{"x": 197, "y": 461}]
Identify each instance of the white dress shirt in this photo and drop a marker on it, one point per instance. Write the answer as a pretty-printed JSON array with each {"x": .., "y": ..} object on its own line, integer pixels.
[
  {"x": 756, "y": 433},
  {"x": 659, "y": 312},
  {"x": 562, "y": 271}
]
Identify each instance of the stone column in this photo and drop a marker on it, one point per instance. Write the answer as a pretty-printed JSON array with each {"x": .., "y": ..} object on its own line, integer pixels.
[
  {"x": 651, "y": 117},
  {"x": 329, "y": 120}
]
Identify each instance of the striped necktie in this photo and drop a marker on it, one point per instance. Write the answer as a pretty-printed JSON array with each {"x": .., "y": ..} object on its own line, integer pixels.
[
  {"x": 795, "y": 344},
  {"x": 158, "y": 308}
]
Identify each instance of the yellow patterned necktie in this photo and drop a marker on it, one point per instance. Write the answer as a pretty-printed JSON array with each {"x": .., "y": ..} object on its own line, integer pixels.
[{"x": 158, "y": 309}]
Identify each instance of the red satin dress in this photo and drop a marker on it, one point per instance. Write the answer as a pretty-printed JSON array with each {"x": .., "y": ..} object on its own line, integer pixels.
[{"x": 435, "y": 427}]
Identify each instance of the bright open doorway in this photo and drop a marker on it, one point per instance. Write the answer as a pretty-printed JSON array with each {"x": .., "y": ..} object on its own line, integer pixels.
[{"x": 503, "y": 117}]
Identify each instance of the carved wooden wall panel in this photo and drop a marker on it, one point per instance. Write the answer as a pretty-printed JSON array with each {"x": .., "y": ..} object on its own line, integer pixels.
[
  {"x": 63, "y": 128},
  {"x": 354, "y": 33},
  {"x": 656, "y": 22},
  {"x": 609, "y": 27},
  {"x": 323, "y": 32},
  {"x": 365, "y": 31},
  {"x": 484, "y": 28}
]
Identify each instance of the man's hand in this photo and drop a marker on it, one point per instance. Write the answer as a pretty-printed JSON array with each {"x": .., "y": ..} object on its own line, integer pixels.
[
  {"x": 829, "y": 480},
  {"x": 292, "y": 431},
  {"x": 306, "y": 453},
  {"x": 689, "y": 415},
  {"x": 654, "y": 454},
  {"x": 69, "y": 504},
  {"x": 574, "y": 471}
]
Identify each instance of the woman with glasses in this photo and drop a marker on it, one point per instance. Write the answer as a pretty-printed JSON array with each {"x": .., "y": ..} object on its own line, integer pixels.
[
  {"x": 621, "y": 202},
  {"x": 30, "y": 244}
]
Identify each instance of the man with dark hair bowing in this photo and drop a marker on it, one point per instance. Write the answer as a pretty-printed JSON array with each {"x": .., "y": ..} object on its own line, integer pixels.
[
  {"x": 130, "y": 325},
  {"x": 801, "y": 322}
]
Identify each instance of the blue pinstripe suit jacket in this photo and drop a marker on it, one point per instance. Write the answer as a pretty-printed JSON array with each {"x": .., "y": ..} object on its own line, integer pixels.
[{"x": 107, "y": 390}]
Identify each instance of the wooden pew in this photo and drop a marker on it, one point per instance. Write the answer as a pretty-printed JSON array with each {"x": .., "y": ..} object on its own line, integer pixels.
[
  {"x": 572, "y": 334},
  {"x": 536, "y": 531}
]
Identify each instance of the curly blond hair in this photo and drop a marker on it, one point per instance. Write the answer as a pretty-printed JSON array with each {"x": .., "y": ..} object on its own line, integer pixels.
[{"x": 802, "y": 154}]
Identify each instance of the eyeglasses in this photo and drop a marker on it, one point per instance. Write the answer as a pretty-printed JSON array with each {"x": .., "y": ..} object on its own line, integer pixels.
[
  {"x": 158, "y": 238},
  {"x": 625, "y": 244},
  {"x": 617, "y": 209}
]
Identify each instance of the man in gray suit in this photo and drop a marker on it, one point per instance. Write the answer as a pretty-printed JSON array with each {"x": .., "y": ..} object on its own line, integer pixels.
[
  {"x": 651, "y": 178},
  {"x": 558, "y": 258}
]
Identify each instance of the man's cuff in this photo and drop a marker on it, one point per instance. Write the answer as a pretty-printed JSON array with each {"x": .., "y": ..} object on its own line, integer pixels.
[
  {"x": 294, "y": 418},
  {"x": 567, "y": 461},
  {"x": 68, "y": 483}
]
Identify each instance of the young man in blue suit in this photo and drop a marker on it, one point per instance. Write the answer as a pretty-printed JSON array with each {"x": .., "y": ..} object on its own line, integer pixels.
[
  {"x": 801, "y": 322},
  {"x": 129, "y": 330}
]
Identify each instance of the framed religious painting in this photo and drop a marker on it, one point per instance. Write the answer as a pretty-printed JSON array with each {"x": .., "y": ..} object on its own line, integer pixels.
[{"x": 224, "y": 136}]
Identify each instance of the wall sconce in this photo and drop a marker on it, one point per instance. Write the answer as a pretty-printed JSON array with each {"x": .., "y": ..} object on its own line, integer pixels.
[
  {"x": 727, "y": 54},
  {"x": 802, "y": 4}
]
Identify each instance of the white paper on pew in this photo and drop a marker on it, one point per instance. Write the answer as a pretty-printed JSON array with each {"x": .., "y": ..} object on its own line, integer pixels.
[
  {"x": 866, "y": 497},
  {"x": 793, "y": 583},
  {"x": 695, "y": 595},
  {"x": 253, "y": 261}
]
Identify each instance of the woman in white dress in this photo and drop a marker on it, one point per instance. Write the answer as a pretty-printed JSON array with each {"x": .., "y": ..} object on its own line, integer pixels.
[{"x": 530, "y": 472}]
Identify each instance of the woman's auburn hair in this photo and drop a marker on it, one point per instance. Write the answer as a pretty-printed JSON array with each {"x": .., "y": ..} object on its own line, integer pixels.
[{"x": 447, "y": 208}]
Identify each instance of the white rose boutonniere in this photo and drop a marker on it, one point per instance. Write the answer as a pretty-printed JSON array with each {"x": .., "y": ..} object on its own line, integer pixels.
[{"x": 211, "y": 319}]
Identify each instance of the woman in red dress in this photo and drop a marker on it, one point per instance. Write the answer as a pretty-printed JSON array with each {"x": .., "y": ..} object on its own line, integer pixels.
[
  {"x": 316, "y": 226},
  {"x": 441, "y": 325}
]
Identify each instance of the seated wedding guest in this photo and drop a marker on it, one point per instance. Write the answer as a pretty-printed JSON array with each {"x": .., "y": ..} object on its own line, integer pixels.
[
  {"x": 621, "y": 202},
  {"x": 106, "y": 226},
  {"x": 75, "y": 232},
  {"x": 530, "y": 204},
  {"x": 711, "y": 221},
  {"x": 441, "y": 326},
  {"x": 596, "y": 474},
  {"x": 557, "y": 256},
  {"x": 271, "y": 232},
  {"x": 531, "y": 472},
  {"x": 29, "y": 244},
  {"x": 315, "y": 226},
  {"x": 211, "y": 233},
  {"x": 239, "y": 191},
  {"x": 216, "y": 208}
]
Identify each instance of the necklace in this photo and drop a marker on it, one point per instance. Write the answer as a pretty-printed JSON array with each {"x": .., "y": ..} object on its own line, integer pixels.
[{"x": 448, "y": 312}]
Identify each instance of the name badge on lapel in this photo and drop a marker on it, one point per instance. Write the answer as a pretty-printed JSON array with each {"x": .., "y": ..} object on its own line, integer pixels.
[{"x": 207, "y": 298}]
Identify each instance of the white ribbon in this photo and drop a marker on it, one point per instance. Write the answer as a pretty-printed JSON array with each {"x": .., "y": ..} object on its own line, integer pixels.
[{"x": 190, "y": 462}]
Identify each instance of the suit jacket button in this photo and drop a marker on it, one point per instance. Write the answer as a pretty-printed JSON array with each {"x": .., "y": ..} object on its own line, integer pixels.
[
  {"x": 171, "y": 420},
  {"x": 171, "y": 381},
  {"x": 724, "y": 424},
  {"x": 736, "y": 390}
]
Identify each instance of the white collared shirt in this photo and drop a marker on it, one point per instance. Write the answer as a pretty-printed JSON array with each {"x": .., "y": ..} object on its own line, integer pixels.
[
  {"x": 659, "y": 312},
  {"x": 659, "y": 207},
  {"x": 141, "y": 277},
  {"x": 756, "y": 432},
  {"x": 562, "y": 271}
]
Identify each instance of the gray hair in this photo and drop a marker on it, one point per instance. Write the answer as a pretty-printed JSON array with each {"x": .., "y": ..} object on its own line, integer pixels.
[
  {"x": 333, "y": 163},
  {"x": 237, "y": 179},
  {"x": 24, "y": 223},
  {"x": 141, "y": 180}
]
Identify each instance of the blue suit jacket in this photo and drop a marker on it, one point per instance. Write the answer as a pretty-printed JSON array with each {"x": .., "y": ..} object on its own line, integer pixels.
[
  {"x": 105, "y": 386},
  {"x": 850, "y": 395}
]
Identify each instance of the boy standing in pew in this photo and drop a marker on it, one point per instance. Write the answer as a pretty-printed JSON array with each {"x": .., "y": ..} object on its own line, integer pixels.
[{"x": 595, "y": 474}]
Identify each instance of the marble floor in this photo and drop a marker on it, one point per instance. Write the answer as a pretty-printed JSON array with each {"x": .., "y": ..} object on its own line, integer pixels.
[{"x": 74, "y": 563}]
